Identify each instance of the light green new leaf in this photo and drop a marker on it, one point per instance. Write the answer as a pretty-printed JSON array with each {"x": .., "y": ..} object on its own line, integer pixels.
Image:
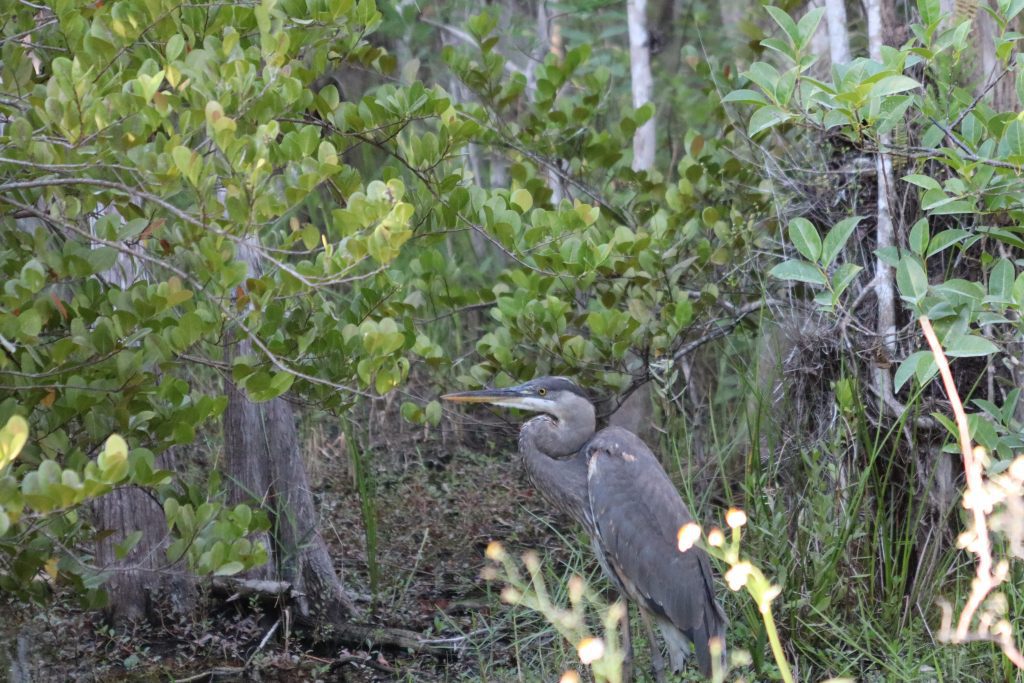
[
  {"x": 522, "y": 199},
  {"x": 13, "y": 437}
]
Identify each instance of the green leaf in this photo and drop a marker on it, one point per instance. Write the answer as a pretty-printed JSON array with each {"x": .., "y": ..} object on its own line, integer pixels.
[
  {"x": 1011, "y": 146},
  {"x": 122, "y": 549},
  {"x": 930, "y": 10},
  {"x": 841, "y": 279},
  {"x": 911, "y": 279},
  {"x": 909, "y": 367},
  {"x": 243, "y": 515},
  {"x": 836, "y": 239},
  {"x": 30, "y": 323},
  {"x": 801, "y": 271},
  {"x": 229, "y": 568},
  {"x": 1018, "y": 291},
  {"x": 786, "y": 23},
  {"x": 934, "y": 198},
  {"x": 765, "y": 118},
  {"x": 175, "y": 45},
  {"x": 945, "y": 239},
  {"x": 891, "y": 85},
  {"x": 919, "y": 237},
  {"x": 1000, "y": 281},
  {"x": 764, "y": 75},
  {"x": 922, "y": 181},
  {"x": 969, "y": 346},
  {"x": 745, "y": 96},
  {"x": 433, "y": 413},
  {"x": 808, "y": 26},
  {"x": 804, "y": 237},
  {"x": 148, "y": 85}
]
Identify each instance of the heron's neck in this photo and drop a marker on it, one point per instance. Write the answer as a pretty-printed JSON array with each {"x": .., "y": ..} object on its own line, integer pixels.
[
  {"x": 563, "y": 434},
  {"x": 550, "y": 447}
]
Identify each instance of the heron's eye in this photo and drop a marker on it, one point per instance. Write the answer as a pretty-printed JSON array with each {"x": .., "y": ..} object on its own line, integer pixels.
[{"x": 542, "y": 392}]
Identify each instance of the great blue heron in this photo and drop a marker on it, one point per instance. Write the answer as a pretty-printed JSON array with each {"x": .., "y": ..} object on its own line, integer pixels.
[{"x": 611, "y": 483}]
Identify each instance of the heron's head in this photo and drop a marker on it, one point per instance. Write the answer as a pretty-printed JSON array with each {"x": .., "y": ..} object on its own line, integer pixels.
[{"x": 557, "y": 396}]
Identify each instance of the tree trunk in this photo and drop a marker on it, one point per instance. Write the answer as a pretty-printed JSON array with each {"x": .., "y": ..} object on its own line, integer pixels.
[
  {"x": 263, "y": 463},
  {"x": 884, "y": 232},
  {"x": 462, "y": 94},
  {"x": 947, "y": 8},
  {"x": 303, "y": 558},
  {"x": 547, "y": 41},
  {"x": 143, "y": 582},
  {"x": 246, "y": 453},
  {"x": 642, "y": 82},
  {"x": 838, "y": 34}
]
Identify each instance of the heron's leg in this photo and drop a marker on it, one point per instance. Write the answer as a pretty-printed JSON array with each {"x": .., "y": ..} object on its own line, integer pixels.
[
  {"x": 627, "y": 645},
  {"x": 657, "y": 661}
]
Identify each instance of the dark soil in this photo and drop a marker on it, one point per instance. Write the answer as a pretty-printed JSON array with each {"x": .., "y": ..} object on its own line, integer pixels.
[{"x": 437, "y": 510}]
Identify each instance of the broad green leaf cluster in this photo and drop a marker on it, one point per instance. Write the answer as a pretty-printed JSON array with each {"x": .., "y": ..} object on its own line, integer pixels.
[
  {"x": 176, "y": 198},
  {"x": 960, "y": 164},
  {"x": 197, "y": 192}
]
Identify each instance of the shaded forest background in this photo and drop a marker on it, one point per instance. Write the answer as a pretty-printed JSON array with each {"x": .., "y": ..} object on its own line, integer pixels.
[{"x": 245, "y": 247}]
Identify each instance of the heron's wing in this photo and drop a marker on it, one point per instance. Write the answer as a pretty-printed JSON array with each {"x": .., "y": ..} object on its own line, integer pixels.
[{"x": 637, "y": 512}]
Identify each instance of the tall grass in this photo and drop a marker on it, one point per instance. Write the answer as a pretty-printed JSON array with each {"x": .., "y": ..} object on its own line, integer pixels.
[
  {"x": 844, "y": 517},
  {"x": 843, "y": 523},
  {"x": 366, "y": 488}
]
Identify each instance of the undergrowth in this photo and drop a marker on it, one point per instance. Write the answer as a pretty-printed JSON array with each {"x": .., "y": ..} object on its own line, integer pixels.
[{"x": 847, "y": 525}]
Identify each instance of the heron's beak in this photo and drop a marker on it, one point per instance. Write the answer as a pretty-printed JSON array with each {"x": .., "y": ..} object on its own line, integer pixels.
[{"x": 507, "y": 397}]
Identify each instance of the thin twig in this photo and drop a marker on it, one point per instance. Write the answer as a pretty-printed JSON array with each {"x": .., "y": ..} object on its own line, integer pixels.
[
  {"x": 263, "y": 641},
  {"x": 211, "y": 674},
  {"x": 978, "y": 98}
]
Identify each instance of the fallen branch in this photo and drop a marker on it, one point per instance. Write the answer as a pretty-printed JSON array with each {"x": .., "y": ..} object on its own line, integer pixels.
[
  {"x": 243, "y": 588},
  {"x": 368, "y": 635}
]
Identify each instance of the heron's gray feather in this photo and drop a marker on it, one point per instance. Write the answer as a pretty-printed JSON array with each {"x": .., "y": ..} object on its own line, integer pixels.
[{"x": 636, "y": 512}]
